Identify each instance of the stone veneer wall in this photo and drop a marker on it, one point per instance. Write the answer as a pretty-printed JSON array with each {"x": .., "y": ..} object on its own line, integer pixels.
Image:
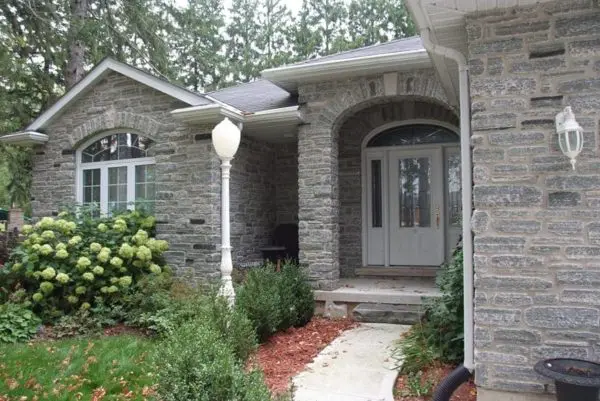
[
  {"x": 252, "y": 193},
  {"x": 325, "y": 107},
  {"x": 286, "y": 182},
  {"x": 537, "y": 239},
  {"x": 188, "y": 180},
  {"x": 352, "y": 133}
]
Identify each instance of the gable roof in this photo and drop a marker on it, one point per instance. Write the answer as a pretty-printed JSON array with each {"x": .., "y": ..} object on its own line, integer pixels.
[
  {"x": 255, "y": 96},
  {"x": 100, "y": 71},
  {"x": 412, "y": 43}
]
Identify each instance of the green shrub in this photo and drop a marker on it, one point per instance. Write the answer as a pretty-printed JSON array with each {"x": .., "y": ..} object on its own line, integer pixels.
[
  {"x": 17, "y": 323},
  {"x": 77, "y": 261},
  {"x": 197, "y": 364},
  {"x": 439, "y": 337},
  {"x": 294, "y": 282},
  {"x": 276, "y": 300},
  {"x": 260, "y": 300}
]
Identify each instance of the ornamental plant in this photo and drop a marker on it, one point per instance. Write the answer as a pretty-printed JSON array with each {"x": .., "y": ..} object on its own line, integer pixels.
[{"x": 75, "y": 262}]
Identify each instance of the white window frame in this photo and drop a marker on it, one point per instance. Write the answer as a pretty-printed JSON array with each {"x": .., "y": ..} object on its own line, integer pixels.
[{"x": 131, "y": 164}]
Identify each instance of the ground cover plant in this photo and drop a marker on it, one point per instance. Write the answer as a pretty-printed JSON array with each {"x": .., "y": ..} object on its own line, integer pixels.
[{"x": 108, "y": 368}]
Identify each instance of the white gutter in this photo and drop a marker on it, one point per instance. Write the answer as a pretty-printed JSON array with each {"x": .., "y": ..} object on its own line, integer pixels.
[
  {"x": 26, "y": 138},
  {"x": 467, "y": 180},
  {"x": 368, "y": 63},
  {"x": 215, "y": 112}
]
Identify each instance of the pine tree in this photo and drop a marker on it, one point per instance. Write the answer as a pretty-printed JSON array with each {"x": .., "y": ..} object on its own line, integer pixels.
[
  {"x": 198, "y": 44},
  {"x": 305, "y": 37},
  {"x": 243, "y": 32},
  {"x": 274, "y": 36},
  {"x": 330, "y": 16}
]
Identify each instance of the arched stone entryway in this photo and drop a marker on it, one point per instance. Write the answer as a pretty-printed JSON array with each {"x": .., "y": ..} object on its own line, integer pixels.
[
  {"x": 352, "y": 171},
  {"x": 338, "y": 115}
]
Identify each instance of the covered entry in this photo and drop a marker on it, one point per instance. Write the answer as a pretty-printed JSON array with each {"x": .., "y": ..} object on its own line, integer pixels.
[{"x": 411, "y": 194}]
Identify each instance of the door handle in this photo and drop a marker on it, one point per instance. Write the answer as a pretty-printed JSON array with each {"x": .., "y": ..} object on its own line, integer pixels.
[{"x": 437, "y": 217}]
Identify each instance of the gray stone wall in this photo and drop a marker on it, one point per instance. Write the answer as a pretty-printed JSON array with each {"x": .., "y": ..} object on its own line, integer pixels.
[
  {"x": 286, "y": 182},
  {"x": 252, "y": 193},
  {"x": 188, "y": 180},
  {"x": 325, "y": 108},
  {"x": 352, "y": 133},
  {"x": 537, "y": 254}
]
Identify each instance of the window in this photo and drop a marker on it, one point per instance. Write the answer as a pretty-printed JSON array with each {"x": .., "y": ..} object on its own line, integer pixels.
[
  {"x": 416, "y": 134},
  {"x": 117, "y": 172}
]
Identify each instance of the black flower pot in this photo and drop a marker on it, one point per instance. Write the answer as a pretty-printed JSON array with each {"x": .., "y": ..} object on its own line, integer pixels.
[{"x": 575, "y": 379}]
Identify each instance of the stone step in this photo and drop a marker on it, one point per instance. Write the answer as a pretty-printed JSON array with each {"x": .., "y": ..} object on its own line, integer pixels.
[{"x": 387, "y": 313}]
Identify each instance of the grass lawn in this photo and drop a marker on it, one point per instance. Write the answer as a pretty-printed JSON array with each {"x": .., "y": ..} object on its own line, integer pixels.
[{"x": 103, "y": 368}]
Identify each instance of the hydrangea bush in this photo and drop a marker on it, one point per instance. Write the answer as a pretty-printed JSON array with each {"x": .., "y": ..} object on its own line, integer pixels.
[{"x": 70, "y": 263}]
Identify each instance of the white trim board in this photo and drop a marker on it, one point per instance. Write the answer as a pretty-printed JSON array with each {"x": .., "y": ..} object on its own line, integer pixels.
[{"x": 102, "y": 70}]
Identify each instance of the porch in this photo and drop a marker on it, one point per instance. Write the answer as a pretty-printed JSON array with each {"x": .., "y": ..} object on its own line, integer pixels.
[{"x": 378, "y": 300}]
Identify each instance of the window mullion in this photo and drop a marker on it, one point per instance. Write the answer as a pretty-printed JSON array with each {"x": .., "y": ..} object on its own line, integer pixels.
[
  {"x": 104, "y": 190},
  {"x": 131, "y": 186}
]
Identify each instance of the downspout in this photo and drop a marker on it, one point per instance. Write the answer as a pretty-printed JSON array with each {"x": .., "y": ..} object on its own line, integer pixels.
[{"x": 462, "y": 373}]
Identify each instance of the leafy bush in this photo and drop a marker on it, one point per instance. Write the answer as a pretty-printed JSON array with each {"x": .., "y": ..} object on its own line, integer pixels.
[
  {"x": 162, "y": 305},
  {"x": 17, "y": 323},
  {"x": 77, "y": 262},
  {"x": 8, "y": 241},
  {"x": 439, "y": 337},
  {"x": 297, "y": 297},
  {"x": 197, "y": 364},
  {"x": 276, "y": 301},
  {"x": 260, "y": 300}
]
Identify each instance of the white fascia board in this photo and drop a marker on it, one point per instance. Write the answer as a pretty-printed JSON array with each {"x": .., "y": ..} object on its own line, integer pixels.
[
  {"x": 311, "y": 71},
  {"x": 26, "y": 138},
  {"x": 100, "y": 71},
  {"x": 213, "y": 113},
  {"x": 281, "y": 115}
]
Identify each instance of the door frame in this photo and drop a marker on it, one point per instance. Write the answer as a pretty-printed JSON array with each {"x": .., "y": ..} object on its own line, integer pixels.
[{"x": 365, "y": 179}]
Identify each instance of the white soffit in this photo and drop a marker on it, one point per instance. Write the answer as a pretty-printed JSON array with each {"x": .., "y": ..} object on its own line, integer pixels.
[
  {"x": 27, "y": 138},
  {"x": 288, "y": 77}
]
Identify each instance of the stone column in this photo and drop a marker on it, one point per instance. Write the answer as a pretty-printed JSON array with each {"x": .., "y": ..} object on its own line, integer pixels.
[{"x": 318, "y": 204}]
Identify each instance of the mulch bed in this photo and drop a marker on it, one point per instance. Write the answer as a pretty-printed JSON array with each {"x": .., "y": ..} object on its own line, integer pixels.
[
  {"x": 435, "y": 374},
  {"x": 287, "y": 353}
]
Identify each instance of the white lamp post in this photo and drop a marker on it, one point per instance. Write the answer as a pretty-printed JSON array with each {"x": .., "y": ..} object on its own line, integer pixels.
[
  {"x": 226, "y": 140},
  {"x": 570, "y": 134}
]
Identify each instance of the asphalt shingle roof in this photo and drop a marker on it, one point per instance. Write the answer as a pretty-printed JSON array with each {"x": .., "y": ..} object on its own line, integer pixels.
[
  {"x": 393, "y": 46},
  {"x": 255, "y": 96},
  {"x": 264, "y": 95}
]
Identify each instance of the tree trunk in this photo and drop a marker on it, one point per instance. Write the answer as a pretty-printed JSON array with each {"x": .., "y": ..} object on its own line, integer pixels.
[{"x": 76, "y": 61}]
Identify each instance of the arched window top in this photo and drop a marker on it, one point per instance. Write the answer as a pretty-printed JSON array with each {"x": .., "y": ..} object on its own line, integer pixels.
[
  {"x": 118, "y": 146},
  {"x": 415, "y": 134}
]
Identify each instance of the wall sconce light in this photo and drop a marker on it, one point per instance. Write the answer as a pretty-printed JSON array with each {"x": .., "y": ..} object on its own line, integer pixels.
[{"x": 570, "y": 134}]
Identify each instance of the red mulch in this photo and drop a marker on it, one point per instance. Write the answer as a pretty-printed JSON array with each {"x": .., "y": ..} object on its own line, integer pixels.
[
  {"x": 435, "y": 374},
  {"x": 287, "y": 353}
]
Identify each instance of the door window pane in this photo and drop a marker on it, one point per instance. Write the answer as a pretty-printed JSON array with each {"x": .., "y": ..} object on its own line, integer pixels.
[
  {"x": 117, "y": 188},
  {"x": 144, "y": 187},
  {"x": 454, "y": 190},
  {"x": 376, "y": 195},
  {"x": 414, "y": 175}
]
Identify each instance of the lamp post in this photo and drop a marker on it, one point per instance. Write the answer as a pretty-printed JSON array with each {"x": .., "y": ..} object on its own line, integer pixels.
[
  {"x": 226, "y": 140},
  {"x": 570, "y": 134}
]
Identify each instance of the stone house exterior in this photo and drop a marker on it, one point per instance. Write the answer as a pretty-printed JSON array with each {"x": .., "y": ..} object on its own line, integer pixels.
[{"x": 362, "y": 150}]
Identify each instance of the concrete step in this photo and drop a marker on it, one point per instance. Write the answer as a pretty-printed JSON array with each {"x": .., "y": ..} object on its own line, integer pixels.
[{"x": 387, "y": 313}]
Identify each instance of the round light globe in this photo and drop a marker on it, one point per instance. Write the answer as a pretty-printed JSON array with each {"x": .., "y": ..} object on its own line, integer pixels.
[{"x": 226, "y": 139}]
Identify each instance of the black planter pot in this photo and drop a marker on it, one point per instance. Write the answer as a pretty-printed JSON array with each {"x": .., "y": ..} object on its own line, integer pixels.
[{"x": 575, "y": 379}]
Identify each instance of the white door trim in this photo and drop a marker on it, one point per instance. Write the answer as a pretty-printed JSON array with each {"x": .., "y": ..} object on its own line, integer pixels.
[{"x": 365, "y": 152}]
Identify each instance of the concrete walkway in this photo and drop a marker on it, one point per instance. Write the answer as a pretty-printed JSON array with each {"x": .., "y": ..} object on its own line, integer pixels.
[{"x": 357, "y": 366}]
